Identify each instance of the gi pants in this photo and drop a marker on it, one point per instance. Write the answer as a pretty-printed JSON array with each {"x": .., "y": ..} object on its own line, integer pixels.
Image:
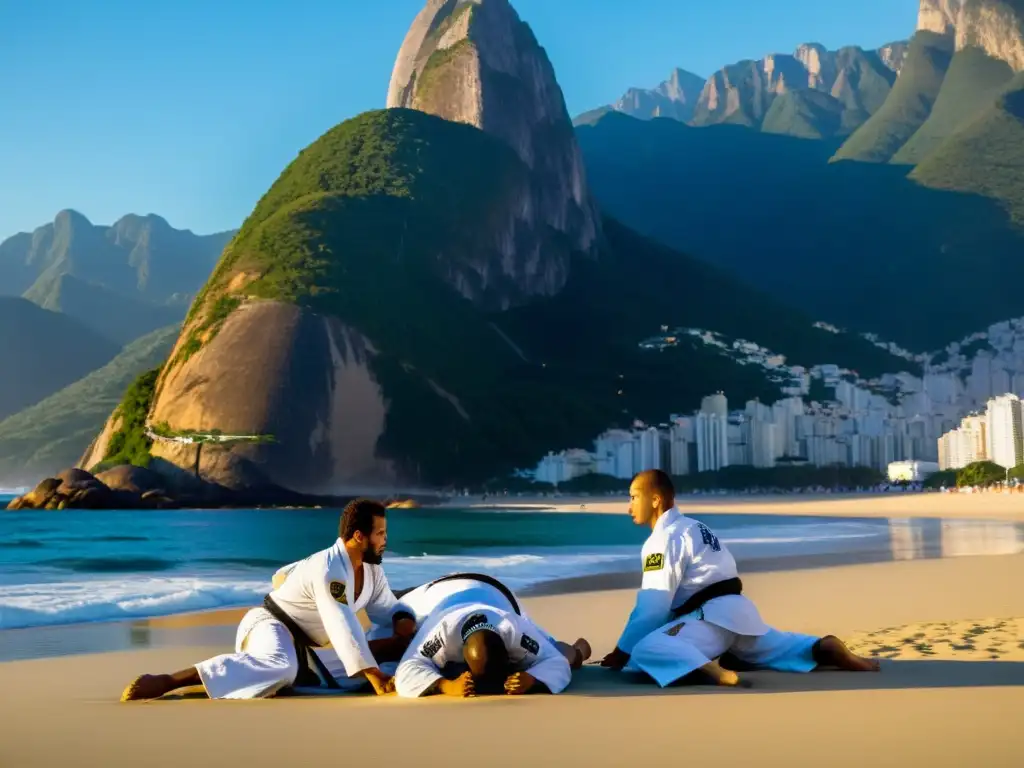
[
  {"x": 689, "y": 642},
  {"x": 265, "y": 661}
]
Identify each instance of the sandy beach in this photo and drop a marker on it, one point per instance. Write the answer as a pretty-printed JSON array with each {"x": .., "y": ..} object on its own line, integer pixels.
[
  {"x": 950, "y": 634},
  {"x": 981, "y": 506}
]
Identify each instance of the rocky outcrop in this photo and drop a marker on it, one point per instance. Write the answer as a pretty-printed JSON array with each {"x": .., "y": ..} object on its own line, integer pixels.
[
  {"x": 283, "y": 371},
  {"x": 118, "y": 488},
  {"x": 675, "y": 98},
  {"x": 859, "y": 80},
  {"x": 477, "y": 62},
  {"x": 994, "y": 26}
]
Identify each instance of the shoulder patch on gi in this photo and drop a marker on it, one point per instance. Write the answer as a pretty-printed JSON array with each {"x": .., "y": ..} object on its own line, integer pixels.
[
  {"x": 709, "y": 538},
  {"x": 338, "y": 592},
  {"x": 530, "y": 645},
  {"x": 431, "y": 647},
  {"x": 654, "y": 562}
]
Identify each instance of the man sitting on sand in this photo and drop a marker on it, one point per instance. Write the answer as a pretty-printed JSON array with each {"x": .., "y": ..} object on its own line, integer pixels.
[
  {"x": 690, "y": 609},
  {"x": 474, "y": 621},
  {"x": 313, "y": 602}
]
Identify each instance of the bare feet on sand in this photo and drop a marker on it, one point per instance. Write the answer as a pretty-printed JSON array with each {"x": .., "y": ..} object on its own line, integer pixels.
[
  {"x": 148, "y": 687},
  {"x": 832, "y": 652},
  {"x": 712, "y": 673},
  {"x": 584, "y": 649}
]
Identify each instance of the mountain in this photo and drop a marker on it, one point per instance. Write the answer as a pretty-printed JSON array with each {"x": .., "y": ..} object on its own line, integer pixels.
[
  {"x": 118, "y": 317},
  {"x": 774, "y": 212},
  {"x": 813, "y": 93},
  {"x": 368, "y": 317},
  {"x": 476, "y": 62},
  {"x": 42, "y": 352},
  {"x": 962, "y": 56},
  {"x": 52, "y": 434},
  {"x": 985, "y": 156},
  {"x": 133, "y": 269},
  {"x": 676, "y": 98}
]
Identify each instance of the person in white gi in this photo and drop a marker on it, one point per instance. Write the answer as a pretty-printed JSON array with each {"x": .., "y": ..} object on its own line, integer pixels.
[
  {"x": 312, "y": 605},
  {"x": 690, "y": 609},
  {"x": 474, "y": 620}
]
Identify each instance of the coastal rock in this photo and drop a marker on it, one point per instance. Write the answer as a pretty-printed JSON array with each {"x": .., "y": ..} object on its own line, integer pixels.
[
  {"x": 128, "y": 479},
  {"x": 477, "y": 62}
]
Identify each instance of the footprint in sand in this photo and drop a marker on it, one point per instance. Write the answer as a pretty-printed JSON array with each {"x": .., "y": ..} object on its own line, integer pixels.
[{"x": 982, "y": 640}]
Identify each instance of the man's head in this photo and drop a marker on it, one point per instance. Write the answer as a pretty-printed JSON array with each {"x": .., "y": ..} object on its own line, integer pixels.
[
  {"x": 484, "y": 652},
  {"x": 364, "y": 525},
  {"x": 651, "y": 494}
]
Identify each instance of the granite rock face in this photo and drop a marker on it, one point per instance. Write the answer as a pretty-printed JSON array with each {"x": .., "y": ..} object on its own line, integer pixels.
[
  {"x": 477, "y": 62},
  {"x": 994, "y": 26}
]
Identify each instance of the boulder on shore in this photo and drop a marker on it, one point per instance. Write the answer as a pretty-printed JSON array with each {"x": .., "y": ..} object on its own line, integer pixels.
[{"x": 121, "y": 487}]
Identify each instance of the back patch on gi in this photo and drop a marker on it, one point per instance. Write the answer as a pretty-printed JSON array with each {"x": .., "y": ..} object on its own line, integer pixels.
[
  {"x": 654, "y": 562},
  {"x": 529, "y": 644},
  {"x": 338, "y": 592}
]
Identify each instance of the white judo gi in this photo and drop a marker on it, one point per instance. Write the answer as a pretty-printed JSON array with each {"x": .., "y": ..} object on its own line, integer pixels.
[
  {"x": 316, "y": 593},
  {"x": 442, "y": 611},
  {"x": 681, "y": 558}
]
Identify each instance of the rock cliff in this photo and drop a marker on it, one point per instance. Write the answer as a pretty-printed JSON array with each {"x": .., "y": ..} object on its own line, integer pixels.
[
  {"x": 477, "y": 62},
  {"x": 675, "y": 98},
  {"x": 994, "y": 26}
]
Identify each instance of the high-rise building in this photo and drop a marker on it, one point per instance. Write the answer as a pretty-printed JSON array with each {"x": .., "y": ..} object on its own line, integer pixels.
[{"x": 1003, "y": 417}]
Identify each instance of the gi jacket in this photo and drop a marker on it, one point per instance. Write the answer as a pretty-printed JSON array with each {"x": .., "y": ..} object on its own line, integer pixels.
[
  {"x": 317, "y": 594},
  {"x": 439, "y": 642},
  {"x": 679, "y": 559}
]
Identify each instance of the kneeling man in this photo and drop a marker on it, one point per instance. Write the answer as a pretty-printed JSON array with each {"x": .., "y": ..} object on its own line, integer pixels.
[
  {"x": 313, "y": 604},
  {"x": 690, "y": 609},
  {"x": 474, "y": 622}
]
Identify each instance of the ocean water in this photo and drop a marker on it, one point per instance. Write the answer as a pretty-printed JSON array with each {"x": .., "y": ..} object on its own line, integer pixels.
[{"x": 85, "y": 566}]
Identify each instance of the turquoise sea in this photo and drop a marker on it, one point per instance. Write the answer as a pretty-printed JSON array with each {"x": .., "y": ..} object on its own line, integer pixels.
[{"x": 83, "y": 566}]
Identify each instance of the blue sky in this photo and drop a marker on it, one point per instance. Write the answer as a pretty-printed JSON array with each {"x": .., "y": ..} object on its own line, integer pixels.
[{"x": 191, "y": 109}]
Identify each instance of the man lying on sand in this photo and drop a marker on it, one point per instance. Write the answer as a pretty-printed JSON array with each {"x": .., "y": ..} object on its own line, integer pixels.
[
  {"x": 313, "y": 602},
  {"x": 690, "y": 610},
  {"x": 475, "y": 622}
]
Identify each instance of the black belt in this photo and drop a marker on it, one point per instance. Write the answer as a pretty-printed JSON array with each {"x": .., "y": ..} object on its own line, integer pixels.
[
  {"x": 486, "y": 580},
  {"x": 731, "y": 586},
  {"x": 304, "y": 646}
]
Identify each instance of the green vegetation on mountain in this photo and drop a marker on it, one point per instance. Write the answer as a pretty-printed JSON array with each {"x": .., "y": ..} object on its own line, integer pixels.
[
  {"x": 908, "y": 105},
  {"x": 366, "y": 226},
  {"x": 775, "y": 213},
  {"x": 972, "y": 84},
  {"x": 53, "y": 434},
  {"x": 130, "y": 444},
  {"x": 43, "y": 352},
  {"x": 118, "y": 317},
  {"x": 985, "y": 157},
  {"x": 807, "y": 114}
]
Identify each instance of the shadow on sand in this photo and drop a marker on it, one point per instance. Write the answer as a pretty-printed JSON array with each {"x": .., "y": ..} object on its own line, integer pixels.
[{"x": 895, "y": 675}]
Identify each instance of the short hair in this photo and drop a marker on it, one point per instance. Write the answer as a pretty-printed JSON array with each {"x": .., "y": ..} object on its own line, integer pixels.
[
  {"x": 358, "y": 516},
  {"x": 660, "y": 483}
]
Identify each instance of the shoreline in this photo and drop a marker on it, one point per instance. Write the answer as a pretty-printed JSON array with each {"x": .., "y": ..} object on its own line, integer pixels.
[{"x": 947, "y": 506}]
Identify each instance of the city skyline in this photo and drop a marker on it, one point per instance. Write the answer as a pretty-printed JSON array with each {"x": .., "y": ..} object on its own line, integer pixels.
[{"x": 217, "y": 99}]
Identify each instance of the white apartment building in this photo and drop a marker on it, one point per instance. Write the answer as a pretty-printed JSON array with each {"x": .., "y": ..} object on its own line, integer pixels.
[{"x": 1003, "y": 417}]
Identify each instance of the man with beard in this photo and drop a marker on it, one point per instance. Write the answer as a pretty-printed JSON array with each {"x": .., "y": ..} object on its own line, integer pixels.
[
  {"x": 313, "y": 603},
  {"x": 690, "y": 609},
  {"x": 473, "y": 624}
]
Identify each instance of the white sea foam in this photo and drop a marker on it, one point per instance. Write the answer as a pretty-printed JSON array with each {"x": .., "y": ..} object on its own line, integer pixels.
[{"x": 48, "y": 602}]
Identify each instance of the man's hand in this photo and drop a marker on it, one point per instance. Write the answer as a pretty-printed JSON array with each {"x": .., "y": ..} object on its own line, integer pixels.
[
  {"x": 519, "y": 683},
  {"x": 383, "y": 685},
  {"x": 461, "y": 687},
  {"x": 616, "y": 660}
]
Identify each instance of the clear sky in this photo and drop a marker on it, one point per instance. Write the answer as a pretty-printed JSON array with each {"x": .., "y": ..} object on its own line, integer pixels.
[{"x": 192, "y": 108}]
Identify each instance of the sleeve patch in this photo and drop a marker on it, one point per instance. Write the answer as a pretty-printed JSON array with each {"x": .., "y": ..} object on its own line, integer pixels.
[
  {"x": 530, "y": 645},
  {"x": 338, "y": 592},
  {"x": 431, "y": 647},
  {"x": 654, "y": 562},
  {"x": 709, "y": 538}
]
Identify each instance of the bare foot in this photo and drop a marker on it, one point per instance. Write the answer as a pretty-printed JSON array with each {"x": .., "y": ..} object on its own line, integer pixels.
[
  {"x": 712, "y": 673},
  {"x": 148, "y": 687},
  {"x": 584, "y": 649},
  {"x": 832, "y": 652}
]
